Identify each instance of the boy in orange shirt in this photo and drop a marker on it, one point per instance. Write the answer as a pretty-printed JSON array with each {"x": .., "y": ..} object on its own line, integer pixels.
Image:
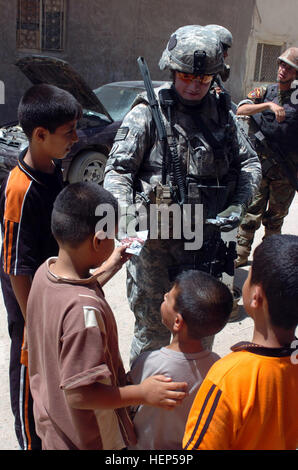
[
  {"x": 248, "y": 399},
  {"x": 48, "y": 116}
]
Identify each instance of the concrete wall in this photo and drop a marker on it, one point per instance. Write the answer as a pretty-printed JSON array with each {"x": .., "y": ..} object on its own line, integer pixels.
[
  {"x": 103, "y": 39},
  {"x": 274, "y": 22}
]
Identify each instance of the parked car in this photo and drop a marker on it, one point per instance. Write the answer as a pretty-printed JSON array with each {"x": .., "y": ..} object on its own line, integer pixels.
[{"x": 103, "y": 110}]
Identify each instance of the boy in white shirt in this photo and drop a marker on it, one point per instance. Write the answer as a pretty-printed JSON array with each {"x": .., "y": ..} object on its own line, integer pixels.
[{"x": 198, "y": 305}]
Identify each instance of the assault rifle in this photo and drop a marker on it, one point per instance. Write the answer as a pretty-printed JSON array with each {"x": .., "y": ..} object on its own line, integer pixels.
[
  {"x": 153, "y": 103},
  {"x": 276, "y": 156},
  {"x": 161, "y": 132}
]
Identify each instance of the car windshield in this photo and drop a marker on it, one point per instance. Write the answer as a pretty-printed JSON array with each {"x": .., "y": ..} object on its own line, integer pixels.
[{"x": 117, "y": 99}]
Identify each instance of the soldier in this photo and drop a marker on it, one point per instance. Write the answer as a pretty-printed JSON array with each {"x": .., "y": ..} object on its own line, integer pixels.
[
  {"x": 226, "y": 38},
  {"x": 205, "y": 161},
  {"x": 278, "y": 122}
]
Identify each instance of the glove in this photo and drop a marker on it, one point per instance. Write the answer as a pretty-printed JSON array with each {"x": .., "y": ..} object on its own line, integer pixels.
[{"x": 228, "y": 219}]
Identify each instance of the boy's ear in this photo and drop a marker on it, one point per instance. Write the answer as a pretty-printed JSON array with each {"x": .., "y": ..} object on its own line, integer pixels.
[
  {"x": 258, "y": 297},
  {"x": 178, "y": 322},
  {"x": 40, "y": 133},
  {"x": 100, "y": 235}
]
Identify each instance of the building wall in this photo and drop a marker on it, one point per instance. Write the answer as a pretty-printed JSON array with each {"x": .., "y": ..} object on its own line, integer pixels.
[
  {"x": 274, "y": 22},
  {"x": 103, "y": 40}
]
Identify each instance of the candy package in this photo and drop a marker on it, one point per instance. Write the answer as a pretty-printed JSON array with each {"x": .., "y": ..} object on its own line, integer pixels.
[{"x": 135, "y": 244}]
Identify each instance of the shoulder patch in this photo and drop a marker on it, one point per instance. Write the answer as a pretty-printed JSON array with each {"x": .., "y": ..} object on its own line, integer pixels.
[
  {"x": 256, "y": 93},
  {"x": 121, "y": 133}
]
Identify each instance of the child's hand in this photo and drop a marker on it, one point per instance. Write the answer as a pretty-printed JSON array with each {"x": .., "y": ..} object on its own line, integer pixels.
[
  {"x": 118, "y": 257},
  {"x": 111, "y": 265},
  {"x": 160, "y": 391}
]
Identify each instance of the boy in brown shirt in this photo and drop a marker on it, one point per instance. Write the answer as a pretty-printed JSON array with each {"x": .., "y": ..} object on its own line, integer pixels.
[{"x": 77, "y": 377}]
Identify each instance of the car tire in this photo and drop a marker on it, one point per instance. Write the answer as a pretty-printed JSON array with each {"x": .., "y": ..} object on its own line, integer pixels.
[{"x": 87, "y": 166}]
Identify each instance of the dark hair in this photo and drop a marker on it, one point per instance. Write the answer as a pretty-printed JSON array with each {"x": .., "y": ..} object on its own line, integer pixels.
[
  {"x": 275, "y": 268},
  {"x": 47, "y": 106},
  {"x": 204, "y": 302},
  {"x": 78, "y": 211}
]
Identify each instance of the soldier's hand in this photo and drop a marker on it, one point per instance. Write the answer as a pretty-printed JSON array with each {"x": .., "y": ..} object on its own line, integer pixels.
[
  {"x": 278, "y": 110},
  {"x": 228, "y": 219},
  {"x": 160, "y": 391}
]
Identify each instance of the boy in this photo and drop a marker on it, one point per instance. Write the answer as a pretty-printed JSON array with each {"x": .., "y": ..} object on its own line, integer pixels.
[
  {"x": 77, "y": 379},
  {"x": 198, "y": 305},
  {"x": 48, "y": 117},
  {"x": 248, "y": 399}
]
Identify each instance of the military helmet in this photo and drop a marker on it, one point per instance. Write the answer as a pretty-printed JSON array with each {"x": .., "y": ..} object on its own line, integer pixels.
[
  {"x": 225, "y": 36},
  {"x": 193, "y": 49},
  {"x": 290, "y": 57}
]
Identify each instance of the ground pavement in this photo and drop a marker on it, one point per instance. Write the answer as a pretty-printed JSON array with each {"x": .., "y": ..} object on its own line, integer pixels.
[{"x": 115, "y": 293}]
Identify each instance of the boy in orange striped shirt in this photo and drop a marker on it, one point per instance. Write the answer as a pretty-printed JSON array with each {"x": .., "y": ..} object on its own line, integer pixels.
[
  {"x": 248, "y": 400},
  {"x": 48, "y": 116}
]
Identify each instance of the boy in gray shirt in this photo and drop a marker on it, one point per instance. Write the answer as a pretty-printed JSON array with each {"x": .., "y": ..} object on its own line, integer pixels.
[{"x": 198, "y": 305}]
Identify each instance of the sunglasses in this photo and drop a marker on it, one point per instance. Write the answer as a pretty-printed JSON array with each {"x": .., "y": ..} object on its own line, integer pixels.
[{"x": 189, "y": 77}]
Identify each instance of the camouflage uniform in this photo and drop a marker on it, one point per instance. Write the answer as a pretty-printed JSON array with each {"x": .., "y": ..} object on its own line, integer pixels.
[
  {"x": 272, "y": 202},
  {"x": 134, "y": 171}
]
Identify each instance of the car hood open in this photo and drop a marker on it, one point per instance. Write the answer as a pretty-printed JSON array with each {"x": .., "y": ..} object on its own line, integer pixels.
[{"x": 44, "y": 69}]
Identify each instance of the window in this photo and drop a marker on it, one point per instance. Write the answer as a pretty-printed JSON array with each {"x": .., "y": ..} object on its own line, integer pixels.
[
  {"x": 40, "y": 25},
  {"x": 266, "y": 66}
]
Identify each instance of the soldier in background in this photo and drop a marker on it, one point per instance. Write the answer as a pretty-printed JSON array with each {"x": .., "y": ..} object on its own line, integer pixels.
[
  {"x": 226, "y": 38},
  {"x": 278, "y": 121},
  {"x": 205, "y": 162}
]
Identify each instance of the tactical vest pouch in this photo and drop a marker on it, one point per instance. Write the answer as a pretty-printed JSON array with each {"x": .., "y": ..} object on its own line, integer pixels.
[
  {"x": 164, "y": 216},
  {"x": 163, "y": 194}
]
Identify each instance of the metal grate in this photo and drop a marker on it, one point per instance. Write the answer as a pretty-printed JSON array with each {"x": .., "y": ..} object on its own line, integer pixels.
[
  {"x": 28, "y": 24},
  {"x": 52, "y": 24},
  {"x": 266, "y": 66},
  {"x": 40, "y": 24}
]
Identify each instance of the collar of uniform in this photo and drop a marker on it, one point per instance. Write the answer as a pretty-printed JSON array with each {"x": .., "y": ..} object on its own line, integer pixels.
[
  {"x": 56, "y": 278},
  {"x": 37, "y": 176},
  {"x": 262, "y": 350}
]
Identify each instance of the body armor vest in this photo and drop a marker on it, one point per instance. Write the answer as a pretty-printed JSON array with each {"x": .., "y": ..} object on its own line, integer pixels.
[
  {"x": 283, "y": 133},
  {"x": 205, "y": 151}
]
